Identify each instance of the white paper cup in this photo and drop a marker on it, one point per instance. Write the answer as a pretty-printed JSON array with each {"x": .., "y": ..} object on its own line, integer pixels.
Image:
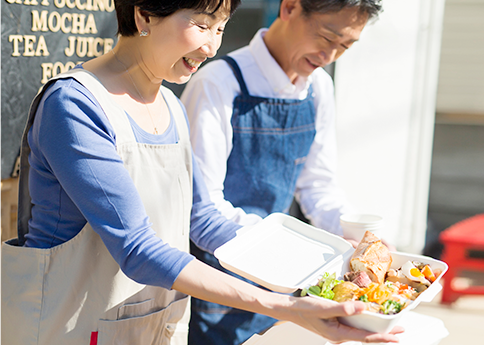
[{"x": 355, "y": 225}]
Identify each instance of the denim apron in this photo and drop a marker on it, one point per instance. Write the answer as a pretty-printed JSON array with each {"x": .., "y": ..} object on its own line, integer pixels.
[
  {"x": 75, "y": 293},
  {"x": 271, "y": 139}
]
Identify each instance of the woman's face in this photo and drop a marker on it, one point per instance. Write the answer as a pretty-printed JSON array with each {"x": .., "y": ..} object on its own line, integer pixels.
[{"x": 179, "y": 43}]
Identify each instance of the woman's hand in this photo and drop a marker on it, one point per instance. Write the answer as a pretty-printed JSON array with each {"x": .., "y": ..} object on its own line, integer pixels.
[
  {"x": 315, "y": 314},
  {"x": 320, "y": 317}
]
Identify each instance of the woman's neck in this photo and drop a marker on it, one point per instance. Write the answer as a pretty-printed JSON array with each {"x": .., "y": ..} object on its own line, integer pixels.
[
  {"x": 129, "y": 57},
  {"x": 129, "y": 81},
  {"x": 123, "y": 71}
]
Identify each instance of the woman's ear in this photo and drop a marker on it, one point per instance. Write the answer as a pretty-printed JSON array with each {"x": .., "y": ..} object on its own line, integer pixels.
[
  {"x": 288, "y": 7},
  {"x": 142, "y": 19}
]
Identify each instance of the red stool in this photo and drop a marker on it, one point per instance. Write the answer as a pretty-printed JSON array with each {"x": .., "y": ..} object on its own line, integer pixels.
[{"x": 459, "y": 241}]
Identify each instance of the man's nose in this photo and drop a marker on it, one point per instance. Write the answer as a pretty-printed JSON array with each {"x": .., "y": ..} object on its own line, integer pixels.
[{"x": 329, "y": 55}]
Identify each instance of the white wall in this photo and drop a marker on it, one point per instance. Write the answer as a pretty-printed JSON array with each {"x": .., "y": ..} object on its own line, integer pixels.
[
  {"x": 461, "y": 76},
  {"x": 385, "y": 95}
]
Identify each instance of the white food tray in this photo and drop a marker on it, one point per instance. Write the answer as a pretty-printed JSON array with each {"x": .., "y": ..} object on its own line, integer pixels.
[{"x": 284, "y": 254}]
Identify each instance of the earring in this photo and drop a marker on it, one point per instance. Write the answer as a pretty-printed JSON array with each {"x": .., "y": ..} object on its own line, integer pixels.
[{"x": 143, "y": 33}]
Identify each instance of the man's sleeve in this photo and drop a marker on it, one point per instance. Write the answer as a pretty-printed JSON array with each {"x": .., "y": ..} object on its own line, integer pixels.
[{"x": 321, "y": 199}]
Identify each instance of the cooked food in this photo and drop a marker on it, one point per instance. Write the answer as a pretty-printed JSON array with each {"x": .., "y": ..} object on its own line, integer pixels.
[
  {"x": 324, "y": 287},
  {"x": 377, "y": 293},
  {"x": 396, "y": 276},
  {"x": 390, "y": 307},
  {"x": 416, "y": 275},
  {"x": 385, "y": 290},
  {"x": 359, "y": 278},
  {"x": 373, "y": 257},
  {"x": 413, "y": 273},
  {"x": 428, "y": 273},
  {"x": 346, "y": 291}
]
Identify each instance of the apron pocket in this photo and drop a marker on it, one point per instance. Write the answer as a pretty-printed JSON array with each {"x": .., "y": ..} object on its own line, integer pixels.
[
  {"x": 156, "y": 328},
  {"x": 137, "y": 309}
]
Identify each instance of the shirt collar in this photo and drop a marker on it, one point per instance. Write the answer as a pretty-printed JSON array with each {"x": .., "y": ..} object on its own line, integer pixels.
[{"x": 271, "y": 70}]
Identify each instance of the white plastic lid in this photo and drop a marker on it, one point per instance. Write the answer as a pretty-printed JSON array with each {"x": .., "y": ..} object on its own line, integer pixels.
[{"x": 283, "y": 254}]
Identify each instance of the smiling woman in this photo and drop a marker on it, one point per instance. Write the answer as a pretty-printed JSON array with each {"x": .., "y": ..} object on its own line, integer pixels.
[
  {"x": 110, "y": 195},
  {"x": 159, "y": 41},
  {"x": 195, "y": 28}
]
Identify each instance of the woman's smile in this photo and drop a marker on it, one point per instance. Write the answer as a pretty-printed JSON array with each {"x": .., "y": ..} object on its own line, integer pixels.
[{"x": 191, "y": 64}]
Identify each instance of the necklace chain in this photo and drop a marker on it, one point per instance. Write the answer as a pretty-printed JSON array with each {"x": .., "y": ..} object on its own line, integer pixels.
[{"x": 137, "y": 90}]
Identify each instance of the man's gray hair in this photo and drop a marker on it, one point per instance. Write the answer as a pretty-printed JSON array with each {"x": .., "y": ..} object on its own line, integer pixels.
[{"x": 371, "y": 7}]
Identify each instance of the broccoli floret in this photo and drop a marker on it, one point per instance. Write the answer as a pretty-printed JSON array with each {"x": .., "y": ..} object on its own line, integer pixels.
[{"x": 390, "y": 307}]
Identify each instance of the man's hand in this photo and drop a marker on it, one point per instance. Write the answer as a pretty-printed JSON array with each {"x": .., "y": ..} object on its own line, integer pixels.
[{"x": 355, "y": 243}]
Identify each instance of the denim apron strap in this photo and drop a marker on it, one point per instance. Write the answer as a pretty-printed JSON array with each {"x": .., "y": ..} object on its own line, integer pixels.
[
  {"x": 271, "y": 139},
  {"x": 238, "y": 74}
]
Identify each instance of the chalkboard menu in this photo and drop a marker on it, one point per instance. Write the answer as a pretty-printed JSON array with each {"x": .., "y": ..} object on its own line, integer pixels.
[{"x": 40, "y": 39}]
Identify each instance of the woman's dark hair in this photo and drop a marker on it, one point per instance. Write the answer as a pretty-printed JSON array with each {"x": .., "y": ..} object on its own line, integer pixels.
[
  {"x": 164, "y": 8},
  {"x": 370, "y": 7}
]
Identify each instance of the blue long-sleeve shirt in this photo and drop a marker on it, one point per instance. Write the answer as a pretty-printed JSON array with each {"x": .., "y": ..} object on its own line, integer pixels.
[{"x": 76, "y": 177}]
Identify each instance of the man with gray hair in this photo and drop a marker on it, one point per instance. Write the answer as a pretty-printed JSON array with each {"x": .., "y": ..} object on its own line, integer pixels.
[{"x": 263, "y": 131}]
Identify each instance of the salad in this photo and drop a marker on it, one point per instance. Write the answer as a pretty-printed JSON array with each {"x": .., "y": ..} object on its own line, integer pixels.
[{"x": 398, "y": 290}]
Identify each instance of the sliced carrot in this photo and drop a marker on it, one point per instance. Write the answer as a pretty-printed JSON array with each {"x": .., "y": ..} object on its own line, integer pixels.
[{"x": 427, "y": 272}]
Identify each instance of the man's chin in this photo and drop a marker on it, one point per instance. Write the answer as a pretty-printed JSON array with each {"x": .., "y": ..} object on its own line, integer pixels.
[{"x": 305, "y": 74}]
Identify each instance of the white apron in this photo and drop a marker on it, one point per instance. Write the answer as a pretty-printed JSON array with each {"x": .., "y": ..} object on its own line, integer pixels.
[{"x": 65, "y": 294}]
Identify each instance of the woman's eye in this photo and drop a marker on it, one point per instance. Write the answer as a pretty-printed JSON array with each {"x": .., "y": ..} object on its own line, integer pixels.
[
  {"x": 203, "y": 27},
  {"x": 221, "y": 30}
]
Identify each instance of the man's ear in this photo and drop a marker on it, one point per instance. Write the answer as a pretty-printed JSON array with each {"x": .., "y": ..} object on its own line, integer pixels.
[{"x": 287, "y": 8}]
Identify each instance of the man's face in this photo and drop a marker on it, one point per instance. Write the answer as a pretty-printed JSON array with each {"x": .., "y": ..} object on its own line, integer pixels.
[{"x": 319, "y": 39}]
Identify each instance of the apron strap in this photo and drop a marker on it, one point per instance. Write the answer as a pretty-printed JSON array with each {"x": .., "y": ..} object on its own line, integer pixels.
[
  {"x": 178, "y": 113},
  {"x": 122, "y": 128},
  {"x": 238, "y": 73},
  {"x": 115, "y": 113},
  {"x": 24, "y": 200}
]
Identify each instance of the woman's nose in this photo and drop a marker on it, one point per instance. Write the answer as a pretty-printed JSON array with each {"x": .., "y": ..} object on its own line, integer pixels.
[{"x": 210, "y": 48}]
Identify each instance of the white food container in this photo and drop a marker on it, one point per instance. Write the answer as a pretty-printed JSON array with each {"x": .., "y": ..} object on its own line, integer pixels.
[{"x": 284, "y": 254}]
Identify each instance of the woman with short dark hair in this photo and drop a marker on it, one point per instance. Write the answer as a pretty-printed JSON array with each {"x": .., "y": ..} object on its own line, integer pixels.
[{"x": 110, "y": 193}]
